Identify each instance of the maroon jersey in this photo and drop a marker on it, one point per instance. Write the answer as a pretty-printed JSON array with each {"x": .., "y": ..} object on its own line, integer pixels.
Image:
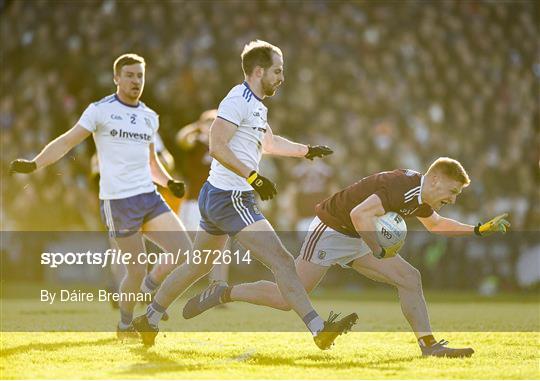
[
  {"x": 399, "y": 191},
  {"x": 195, "y": 169},
  {"x": 313, "y": 180}
]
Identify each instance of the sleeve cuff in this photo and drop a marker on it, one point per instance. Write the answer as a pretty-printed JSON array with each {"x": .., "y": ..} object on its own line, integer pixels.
[
  {"x": 85, "y": 127},
  {"x": 227, "y": 120}
]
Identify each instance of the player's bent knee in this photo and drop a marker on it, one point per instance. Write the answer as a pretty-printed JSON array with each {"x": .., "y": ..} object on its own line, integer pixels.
[
  {"x": 283, "y": 261},
  {"x": 282, "y": 305},
  {"x": 412, "y": 279}
]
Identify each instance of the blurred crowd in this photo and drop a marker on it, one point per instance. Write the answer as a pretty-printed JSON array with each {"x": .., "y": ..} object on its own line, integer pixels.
[{"x": 386, "y": 84}]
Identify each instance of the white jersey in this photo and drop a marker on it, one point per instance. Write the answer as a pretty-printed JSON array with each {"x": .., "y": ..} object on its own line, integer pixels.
[
  {"x": 122, "y": 134},
  {"x": 245, "y": 110}
]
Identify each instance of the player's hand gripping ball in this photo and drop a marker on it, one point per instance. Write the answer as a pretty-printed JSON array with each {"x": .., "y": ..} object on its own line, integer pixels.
[{"x": 391, "y": 231}]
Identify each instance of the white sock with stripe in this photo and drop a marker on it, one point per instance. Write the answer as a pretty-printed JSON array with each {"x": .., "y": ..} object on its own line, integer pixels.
[
  {"x": 154, "y": 313},
  {"x": 314, "y": 322}
]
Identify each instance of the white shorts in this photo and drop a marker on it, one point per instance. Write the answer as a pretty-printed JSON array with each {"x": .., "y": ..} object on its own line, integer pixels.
[{"x": 326, "y": 247}]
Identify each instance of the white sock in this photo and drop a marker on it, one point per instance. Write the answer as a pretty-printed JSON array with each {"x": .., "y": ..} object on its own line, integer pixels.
[
  {"x": 316, "y": 325},
  {"x": 154, "y": 313}
]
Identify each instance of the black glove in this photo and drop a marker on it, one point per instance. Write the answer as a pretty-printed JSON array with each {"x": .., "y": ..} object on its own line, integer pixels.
[
  {"x": 264, "y": 187},
  {"x": 318, "y": 151},
  {"x": 22, "y": 166},
  {"x": 177, "y": 188}
]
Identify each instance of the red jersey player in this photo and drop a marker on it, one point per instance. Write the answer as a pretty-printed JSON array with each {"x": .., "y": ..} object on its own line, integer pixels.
[{"x": 343, "y": 233}]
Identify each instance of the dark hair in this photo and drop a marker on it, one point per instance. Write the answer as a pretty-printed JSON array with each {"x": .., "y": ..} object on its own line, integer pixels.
[
  {"x": 126, "y": 59},
  {"x": 258, "y": 53}
]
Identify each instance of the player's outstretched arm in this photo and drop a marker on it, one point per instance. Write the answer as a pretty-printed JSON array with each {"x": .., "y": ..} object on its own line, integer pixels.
[
  {"x": 451, "y": 228},
  {"x": 162, "y": 177},
  {"x": 279, "y": 146},
  {"x": 53, "y": 151}
]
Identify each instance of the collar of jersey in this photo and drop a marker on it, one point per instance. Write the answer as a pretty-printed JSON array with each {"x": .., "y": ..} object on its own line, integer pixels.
[
  {"x": 420, "y": 194},
  {"x": 256, "y": 97},
  {"x": 125, "y": 104}
]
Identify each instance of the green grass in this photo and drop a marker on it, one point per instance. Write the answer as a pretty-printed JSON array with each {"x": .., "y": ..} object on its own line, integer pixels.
[{"x": 254, "y": 353}]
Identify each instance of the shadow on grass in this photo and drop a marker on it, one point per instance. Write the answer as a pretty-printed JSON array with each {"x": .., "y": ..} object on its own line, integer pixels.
[
  {"x": 156, "y": 363},
  {"x": 53, "y": 346},
  {"x": 324, "y": 360}
]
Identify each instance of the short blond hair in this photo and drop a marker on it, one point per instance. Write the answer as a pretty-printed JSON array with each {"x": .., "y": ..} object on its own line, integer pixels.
[
  {"x": 258, "y": 53},
  {"x": 127, "y": 59},
  {"x": 450, "y": 168}
]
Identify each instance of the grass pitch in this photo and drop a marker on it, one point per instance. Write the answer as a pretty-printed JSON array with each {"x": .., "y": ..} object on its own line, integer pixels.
[{"x": 256, "y": 353}]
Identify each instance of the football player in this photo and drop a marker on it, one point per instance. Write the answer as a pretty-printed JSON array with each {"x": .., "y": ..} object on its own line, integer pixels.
[
  {"x": 238, "y": 137},
  {"x": 343, "y": 233},
  {"x": 124, "y": 131}
]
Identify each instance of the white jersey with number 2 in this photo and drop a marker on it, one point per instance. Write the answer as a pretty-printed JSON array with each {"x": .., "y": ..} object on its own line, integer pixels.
[{"x": 123, "y": 135}]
